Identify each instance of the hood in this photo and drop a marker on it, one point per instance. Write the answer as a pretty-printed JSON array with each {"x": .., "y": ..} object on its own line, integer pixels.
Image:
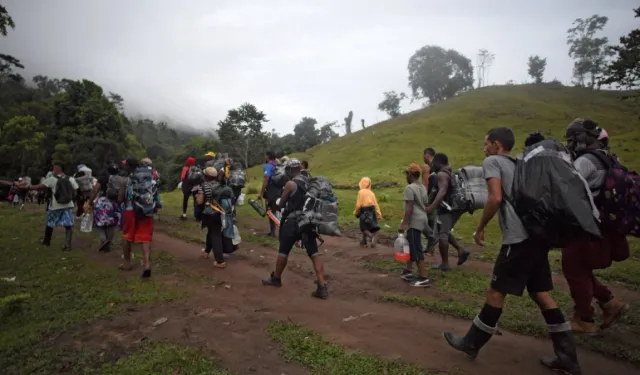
[
  {"x": 365, "y": 183},
  {"x": 190, "y": 161}
]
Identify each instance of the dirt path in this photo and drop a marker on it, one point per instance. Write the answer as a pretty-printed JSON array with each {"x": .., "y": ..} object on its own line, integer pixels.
[{"x": 383, "y": 329}]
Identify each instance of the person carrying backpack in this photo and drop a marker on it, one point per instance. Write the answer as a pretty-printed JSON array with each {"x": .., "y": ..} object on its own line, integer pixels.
[
  {"x": 447, "y": 216},
  {"x": 585, "y": 254},
  {"x": 142, "y": 203},
  {"x": 84, "y": 180},
  {"x": 187, "y": 185},
  {"x": 103, "y": 203},
  {"x": 292, "y": 202},
  {"x": 60, "y": 213},
  {"x": 522, "y": 263},
  {"x": 268, "y": 190},
  {"x": 211, "y": 217}
]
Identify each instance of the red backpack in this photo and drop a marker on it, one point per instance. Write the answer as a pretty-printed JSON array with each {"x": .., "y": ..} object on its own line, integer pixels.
[{"x": 619, "y": 198}]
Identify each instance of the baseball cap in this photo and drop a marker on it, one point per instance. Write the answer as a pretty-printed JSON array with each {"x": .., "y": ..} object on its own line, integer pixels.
[
  {"x": 211, "y": 172},
  {"x": 210, "y": 153}
]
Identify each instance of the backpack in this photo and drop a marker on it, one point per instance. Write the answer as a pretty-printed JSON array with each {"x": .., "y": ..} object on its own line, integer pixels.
[
  {"x": 458, "y": 200},
  {"x": 550, "y": 197},
  {"x": 64, "y": 192},
  {"x": 619, "y": 198},
  {"x": 475, "y": 187},
  {"x": 113, "y": 187},
  {"x": 194, "y": 175},
  {"x": 237, "y": 178},
  {"x": 279, "y": 178},
  {"x": 144, "y": 191},
  {"x": 320, "y": 208}
]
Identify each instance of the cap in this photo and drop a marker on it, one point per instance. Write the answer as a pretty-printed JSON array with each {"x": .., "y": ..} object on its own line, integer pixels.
[
  {"x": 210, "y": 153},
  {"x": 211, "y": 172},
  {"x": 292, "y": 163},
  {"x": 124, "y": 161},
  {"x": 603, "y": 134},
  {"x": 413, "y": 168},
  {"x": 146, "y": 162}
]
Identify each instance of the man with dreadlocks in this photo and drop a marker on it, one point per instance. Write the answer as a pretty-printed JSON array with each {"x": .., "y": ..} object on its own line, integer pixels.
[{"x": 582, "y": 256}]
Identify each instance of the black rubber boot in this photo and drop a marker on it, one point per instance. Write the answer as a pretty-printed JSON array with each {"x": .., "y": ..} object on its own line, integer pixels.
[
  {"x": 272, "y": 281},
  {"x": 566, "y": 359},
  {"x": 68, "y": 235},
  {"x": 48, "y": 232},
  {"x": 473, "y": 341}
]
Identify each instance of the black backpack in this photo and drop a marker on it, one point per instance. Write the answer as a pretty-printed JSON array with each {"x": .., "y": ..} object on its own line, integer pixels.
[
  {"x": 65, "y": 193},
  {"x": 550, "y": 197},
  {"x": 144, "y": 191},
  {"x": 113, "y": 187},
  {"x": 320, "y": 208},
  {"x": 195, "y": 176}
]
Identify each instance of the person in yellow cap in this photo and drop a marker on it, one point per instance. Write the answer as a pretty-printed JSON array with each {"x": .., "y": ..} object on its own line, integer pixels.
[{"x": 210, "y": 156}]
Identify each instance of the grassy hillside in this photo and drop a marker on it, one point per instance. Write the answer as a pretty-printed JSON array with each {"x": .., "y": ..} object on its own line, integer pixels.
[{"x": 457, "y": 127}]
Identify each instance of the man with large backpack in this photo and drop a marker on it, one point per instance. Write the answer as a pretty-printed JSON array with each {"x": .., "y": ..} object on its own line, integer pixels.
[
  {"x": 293, "y": 199},
  {"x": 448, "y": 216},
  {"x": 522, "y": 263},
  {"x": 585, "y": 254},
  {"x": 268, "y": 190},
  {"x": 142, "y": 202},
  {"x": 60, "y": 211}
]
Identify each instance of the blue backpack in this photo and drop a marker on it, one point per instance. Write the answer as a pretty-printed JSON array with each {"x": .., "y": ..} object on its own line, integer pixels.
[{"x": 144, "y": 191}]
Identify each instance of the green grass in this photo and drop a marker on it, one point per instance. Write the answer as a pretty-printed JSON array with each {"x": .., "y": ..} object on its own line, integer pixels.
[
  {"x": 54, "y": 290},
  {"x": 321, "y": 357},
  {"x": 465, "y": 291},
  {"x": 164, "y": 359}
]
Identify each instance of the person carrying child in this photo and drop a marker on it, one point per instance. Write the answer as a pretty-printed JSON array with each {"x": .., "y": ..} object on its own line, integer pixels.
[{"x": 368, "y": 211}]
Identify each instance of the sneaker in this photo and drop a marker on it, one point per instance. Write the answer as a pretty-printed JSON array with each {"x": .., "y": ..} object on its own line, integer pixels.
[
  {"x": 183, "y": 217},
  {"x": 406, "y": 275},
  {"x": 374, "y": 241},
  {"x": 321, "y": 292},
  {"x": 272, "y": 281},
  {"x": 421, "y": 282}
]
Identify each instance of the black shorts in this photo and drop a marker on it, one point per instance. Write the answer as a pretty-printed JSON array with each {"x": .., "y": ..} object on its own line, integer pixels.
[
  {"x": 290, "y": 234},
  {"x": 522, "y": 265},
  {"x": 414, "y": 237}
]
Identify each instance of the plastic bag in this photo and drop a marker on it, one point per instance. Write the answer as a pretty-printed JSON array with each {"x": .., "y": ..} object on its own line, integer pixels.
[
  {"x": 236, "y": 236},
  {"x": 240, "y": 201},
  {"x": 86, "y": 223}
]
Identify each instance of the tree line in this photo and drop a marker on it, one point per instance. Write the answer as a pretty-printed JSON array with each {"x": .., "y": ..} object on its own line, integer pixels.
[{"x": 437, "y": 74}]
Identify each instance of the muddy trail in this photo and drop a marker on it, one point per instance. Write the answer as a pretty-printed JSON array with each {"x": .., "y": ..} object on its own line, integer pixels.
[{"x": 229, "y": 311}]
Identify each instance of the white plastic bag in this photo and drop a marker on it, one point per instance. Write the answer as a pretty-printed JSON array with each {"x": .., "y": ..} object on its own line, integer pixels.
[
  {"x": 240, "y": 201},
  {"x": 236, "y": 236},
  {"x": 180, "y": 185},
  {"x": 86, "y": 223}
]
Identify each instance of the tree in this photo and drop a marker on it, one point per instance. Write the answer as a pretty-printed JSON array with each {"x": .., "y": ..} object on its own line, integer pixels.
[
  {"x": 485, "y": 60},
  {"x": 590, "y": 53},
  {"x": 624, "y": 70},
  {"x": 537, "y": 66},
  {"x": 21, "y": 139},
  {"x": 305, "y": 133},
  {"x": 391, "y": 103},
  {"x": 347, "y": 122},
  {"x": 7, "y": 62},
  {"x": 241, "y": 133},
  {"x": 438, "y": 74},
  {"x": 117, "y": 101},
  {"x": 327, "y": 133}
]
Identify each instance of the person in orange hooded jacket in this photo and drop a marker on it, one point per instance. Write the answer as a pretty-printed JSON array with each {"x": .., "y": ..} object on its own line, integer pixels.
[{"x": 368, "y": 211}]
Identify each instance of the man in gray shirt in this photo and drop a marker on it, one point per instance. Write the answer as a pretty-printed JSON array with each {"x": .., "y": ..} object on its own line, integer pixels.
[{"x": 521, "y": 263}]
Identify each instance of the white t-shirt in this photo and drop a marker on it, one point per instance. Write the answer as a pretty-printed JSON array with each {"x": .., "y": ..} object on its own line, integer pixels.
[{"x": 51, "y": 184}]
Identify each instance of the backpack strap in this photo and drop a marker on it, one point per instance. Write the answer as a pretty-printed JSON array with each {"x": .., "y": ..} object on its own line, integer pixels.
[{"x": 606, "y": 159}]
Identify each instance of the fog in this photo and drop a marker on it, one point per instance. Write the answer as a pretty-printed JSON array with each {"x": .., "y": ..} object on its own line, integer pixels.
[{"x": 192, "y": 61}]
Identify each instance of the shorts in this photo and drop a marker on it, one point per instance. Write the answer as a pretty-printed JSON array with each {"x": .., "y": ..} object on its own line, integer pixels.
[
  {"x": 414, "y": 237},
  {"x": 446, "y": 222},
  {"x": 522, "y": 265},
  {"x": 138, "y": 229},
  {"x": 290, "y": 234}
]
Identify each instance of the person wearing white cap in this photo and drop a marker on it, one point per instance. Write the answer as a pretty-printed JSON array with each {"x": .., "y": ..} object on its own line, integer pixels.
[{"x": 292, "y": 202}]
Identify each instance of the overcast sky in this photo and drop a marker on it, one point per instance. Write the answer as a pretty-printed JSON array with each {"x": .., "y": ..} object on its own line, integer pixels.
[{"x": 194, "y": 60}]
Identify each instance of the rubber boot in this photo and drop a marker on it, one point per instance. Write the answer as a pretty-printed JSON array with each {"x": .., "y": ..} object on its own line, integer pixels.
[
  {"x": 48, "y": 232},
  {"x": 473, "y": 341},
  {"x": 68, "y": 235},
  {"x": 566, "y": 359}
]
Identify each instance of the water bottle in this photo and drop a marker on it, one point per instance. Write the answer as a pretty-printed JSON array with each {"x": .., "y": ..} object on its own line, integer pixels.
[
  {"x": 401, "y": 248},
  {"x": 399, "y": 244},
  {"x": 86, "y": 225}
]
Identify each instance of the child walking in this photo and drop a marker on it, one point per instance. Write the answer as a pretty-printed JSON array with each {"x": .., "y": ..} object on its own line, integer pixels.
[{"x": 368, "y": 211}]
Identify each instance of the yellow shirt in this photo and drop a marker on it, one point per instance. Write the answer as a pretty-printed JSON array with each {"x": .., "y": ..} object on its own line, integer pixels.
[{"x": 366, "y": 197}]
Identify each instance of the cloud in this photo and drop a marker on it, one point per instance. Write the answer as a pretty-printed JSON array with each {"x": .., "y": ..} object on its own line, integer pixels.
[{"x": 193, "y": 61}]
